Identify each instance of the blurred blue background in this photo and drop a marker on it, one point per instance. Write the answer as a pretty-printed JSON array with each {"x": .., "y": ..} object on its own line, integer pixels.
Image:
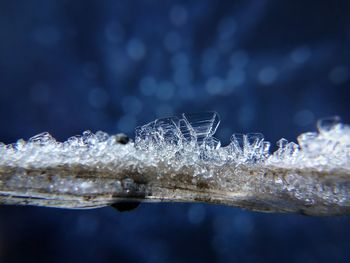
[{"x": 265, "y": 66}]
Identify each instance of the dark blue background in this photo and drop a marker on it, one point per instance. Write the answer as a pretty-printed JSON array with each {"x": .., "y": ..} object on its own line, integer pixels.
[{"x": 267, "y": 65}]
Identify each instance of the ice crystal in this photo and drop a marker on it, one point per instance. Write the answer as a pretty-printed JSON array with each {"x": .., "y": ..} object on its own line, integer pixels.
[
  {"x": 327, "y": 149},
  {"x": 192, "y": 130},
  {"x": 186, "y": 141},
  {"x": 180, "y": 159}
]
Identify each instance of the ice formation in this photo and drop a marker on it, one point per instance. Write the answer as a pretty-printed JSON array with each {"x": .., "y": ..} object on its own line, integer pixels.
[
  {"x": 191, "y": 138},
  {"x": 179, "y": 159}
]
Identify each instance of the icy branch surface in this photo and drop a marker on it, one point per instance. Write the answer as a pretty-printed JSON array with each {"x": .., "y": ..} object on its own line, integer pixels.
[{"x": 179, "y": 159}]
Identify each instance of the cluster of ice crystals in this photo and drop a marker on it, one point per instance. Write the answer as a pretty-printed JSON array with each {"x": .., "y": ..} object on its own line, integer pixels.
[
  {"x": 191, "y": 138},
  {"x": 43, "y": 150},
  {"x": 192, "y": 130},
  {"x": 178, "y": 142},
  {"x": 249, "y": 148},
  {"x": 327, "y": 149},
  {"x": 186, "y": 141}
]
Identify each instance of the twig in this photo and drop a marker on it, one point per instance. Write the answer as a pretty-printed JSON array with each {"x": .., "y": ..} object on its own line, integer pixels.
[{"x": 124, "y": 172}]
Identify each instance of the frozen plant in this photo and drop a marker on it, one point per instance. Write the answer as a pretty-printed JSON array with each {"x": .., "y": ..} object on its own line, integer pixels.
[{"x": 179, "y": 159}]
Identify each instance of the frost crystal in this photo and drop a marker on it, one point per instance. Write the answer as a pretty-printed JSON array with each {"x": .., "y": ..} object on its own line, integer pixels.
[
  {"x": 180, "y": 159},
  {"x": 327, "y": 149},
  {"x": 187, "y": 141},
  {"x": 192, "y": 130}
]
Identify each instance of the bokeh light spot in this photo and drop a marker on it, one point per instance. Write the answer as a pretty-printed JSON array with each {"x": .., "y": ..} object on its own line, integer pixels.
[
  {"x": 267, "y": 75},
  {"x": 178, "y": 15},
  {"x": 339, "y": 75},
  {"x": 136, "y": 49}
]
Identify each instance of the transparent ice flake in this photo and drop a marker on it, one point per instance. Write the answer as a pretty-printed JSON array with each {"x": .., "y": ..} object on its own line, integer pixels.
[
  {"x": 253, "y": 140},
  {"x": 187, "y": 133},
  {"x": 253, "y": 147},
  {"x": 286, "y": 150},
  {"x": 203, "y": 124},
  {"x": 237, "y": 143},
  {"x": 42, "y": 139},
  {"x": 281, "y": 143},
  {"x": 145, "y": 133},
  {"x": 249, "y": 148},
  {"x": 212, "y": 143},
  {"x": 168, "y": 129},
  {"x": 192, "y": 129},
  {"x": 266, "y": 148}
]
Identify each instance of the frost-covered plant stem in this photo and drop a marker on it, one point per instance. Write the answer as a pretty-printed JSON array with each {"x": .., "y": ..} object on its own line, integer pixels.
[
  {"x": 256, "y": 188},
  {"x": 179, "y": 160}
]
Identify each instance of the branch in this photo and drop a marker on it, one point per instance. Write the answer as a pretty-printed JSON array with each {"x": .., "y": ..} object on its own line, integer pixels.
[{"x": 168, "y": 163}]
